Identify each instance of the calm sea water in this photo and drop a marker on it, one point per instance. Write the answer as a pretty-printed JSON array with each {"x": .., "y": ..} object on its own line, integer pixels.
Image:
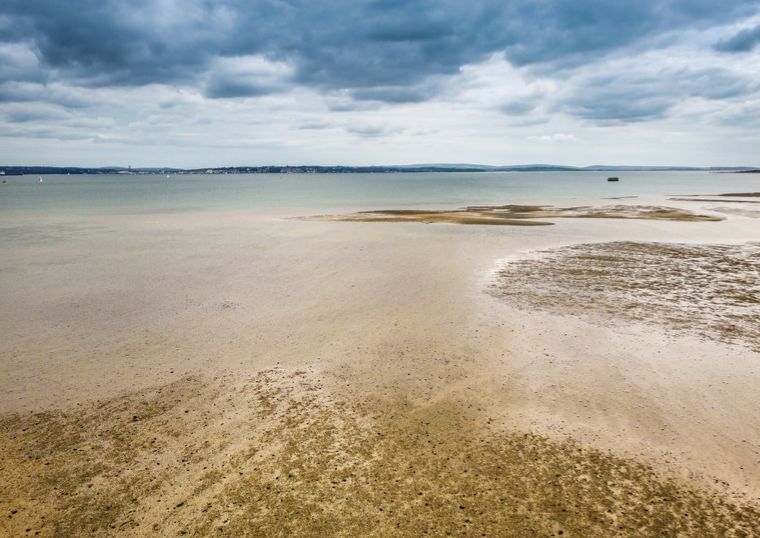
[{"x": 80, "y": 195}]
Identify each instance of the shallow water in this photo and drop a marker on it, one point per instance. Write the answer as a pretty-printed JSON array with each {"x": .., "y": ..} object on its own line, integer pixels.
[
  {"x": 111, "y": 285},
  {"x": 283, "y": 194}
]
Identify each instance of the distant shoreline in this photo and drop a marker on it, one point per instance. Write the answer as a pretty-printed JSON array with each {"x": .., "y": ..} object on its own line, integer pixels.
[{"x": 309, "y": 169}]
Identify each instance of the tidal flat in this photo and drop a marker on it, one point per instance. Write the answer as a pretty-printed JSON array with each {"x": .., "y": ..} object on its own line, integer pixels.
[
  {"x": 519, "y": 215},
  {"x": 710, "y": 290},
  {"x": 282, "y": 454},
  {"x": 172, "y": 368}
]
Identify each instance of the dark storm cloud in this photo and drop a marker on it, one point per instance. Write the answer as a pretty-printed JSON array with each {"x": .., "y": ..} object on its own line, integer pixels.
[
  {"x": 102, "y": 43},
  {"x": 335, "y": 43},
  {"x": 744, "y": 41},
  {"x": 223, "y": 89},
  {"x": 361, "y": 55},
  {"x": 229, "y": 87}
]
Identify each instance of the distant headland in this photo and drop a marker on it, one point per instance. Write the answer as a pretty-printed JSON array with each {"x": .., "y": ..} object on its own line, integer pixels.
[{"x": 380, "y": 169}]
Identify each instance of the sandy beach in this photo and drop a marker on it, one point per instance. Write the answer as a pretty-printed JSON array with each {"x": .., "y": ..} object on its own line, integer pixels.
[
  {"x": 200, "y": 373},
  {"x": 283, "y": 268}
]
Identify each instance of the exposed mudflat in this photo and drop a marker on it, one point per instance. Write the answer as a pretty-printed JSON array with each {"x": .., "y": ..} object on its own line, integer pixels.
[
  {"x": 215, "y": 373},
  {"x": 518, "y": 215},
  {"x": 280, "y": 455},
  {"x": 711, "y": 290}
]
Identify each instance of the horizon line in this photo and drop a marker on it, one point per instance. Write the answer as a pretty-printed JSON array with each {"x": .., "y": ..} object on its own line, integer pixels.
[{"x": 482, "y": 166}]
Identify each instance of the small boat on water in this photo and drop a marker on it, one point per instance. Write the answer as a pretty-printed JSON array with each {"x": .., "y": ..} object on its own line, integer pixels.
[
  {"x": 613, "y": 179},
  {"x": 39, "y": 180}
]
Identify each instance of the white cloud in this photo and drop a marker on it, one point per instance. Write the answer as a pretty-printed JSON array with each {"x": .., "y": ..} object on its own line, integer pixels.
[{"x": 556, "y": 137}]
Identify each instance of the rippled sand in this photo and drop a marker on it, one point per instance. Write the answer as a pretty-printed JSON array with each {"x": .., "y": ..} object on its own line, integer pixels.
[
  {"x": 712, "y": 290},
  {"x": 282, "y": 454}
]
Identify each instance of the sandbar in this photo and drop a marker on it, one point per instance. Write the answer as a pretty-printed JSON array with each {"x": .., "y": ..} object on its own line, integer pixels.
[{"x": 519, "y": 215}]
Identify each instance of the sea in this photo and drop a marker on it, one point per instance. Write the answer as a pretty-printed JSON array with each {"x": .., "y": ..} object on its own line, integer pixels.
[
  {"x": 109, "y": 283},
  {"x": 301, "y": 194}
]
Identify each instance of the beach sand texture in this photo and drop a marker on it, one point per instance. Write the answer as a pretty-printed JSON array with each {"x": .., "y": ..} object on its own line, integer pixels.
[
  {"x": 710, "y": 290},
  {"x": 519, "y": 215},
  {"x": 187, "y": 373},
  {"x": 279, "y": 455}
]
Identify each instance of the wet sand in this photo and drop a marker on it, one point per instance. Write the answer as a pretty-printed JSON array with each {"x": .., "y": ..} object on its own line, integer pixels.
[
  {"x": 241, "y": 376},
  {"x": 709, "y": 290},
  {"x": 279, "y": 454},
  {"x": 518, "y": 215}
]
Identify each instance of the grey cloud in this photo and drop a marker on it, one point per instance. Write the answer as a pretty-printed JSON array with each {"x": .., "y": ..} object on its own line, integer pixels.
[
  {"x": 21, "y": 92},
  {"x": 314, "y": 125},
  {"x": 364, "y": 47},
  {"x": 23, "y": 113},
  {"x": 530, "y": 121},
  {"x": 746, "y": 115},
  {"x": 618, "y": 107},
  {"x": 518, "y": 107},
  {"x": 223, "y": 88},
  {"x": 19, "y": 63},
  {"x": 409, "y": 31},
  {"x": 247, "y": 76},
  {"x": 634, "y": 97},
  {"x": 42, "y": 132},
  {"x": 744, "y": 41},
  {"x": 372, "y": 131},
  {"x": 363, "y": 130},
  {"x": 345, "y": 103},
  {"x": 393, "y": 94}
]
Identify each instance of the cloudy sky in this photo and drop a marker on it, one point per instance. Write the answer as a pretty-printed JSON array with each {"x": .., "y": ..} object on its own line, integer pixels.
[{"x": 234, "y": 82}]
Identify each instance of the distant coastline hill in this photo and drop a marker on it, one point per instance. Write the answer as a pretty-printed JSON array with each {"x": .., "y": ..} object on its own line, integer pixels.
[{"x": 408, "y": 168}]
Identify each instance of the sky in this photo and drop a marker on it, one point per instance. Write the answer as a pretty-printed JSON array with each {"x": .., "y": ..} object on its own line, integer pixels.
[{"x": 197, "y": 83}]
